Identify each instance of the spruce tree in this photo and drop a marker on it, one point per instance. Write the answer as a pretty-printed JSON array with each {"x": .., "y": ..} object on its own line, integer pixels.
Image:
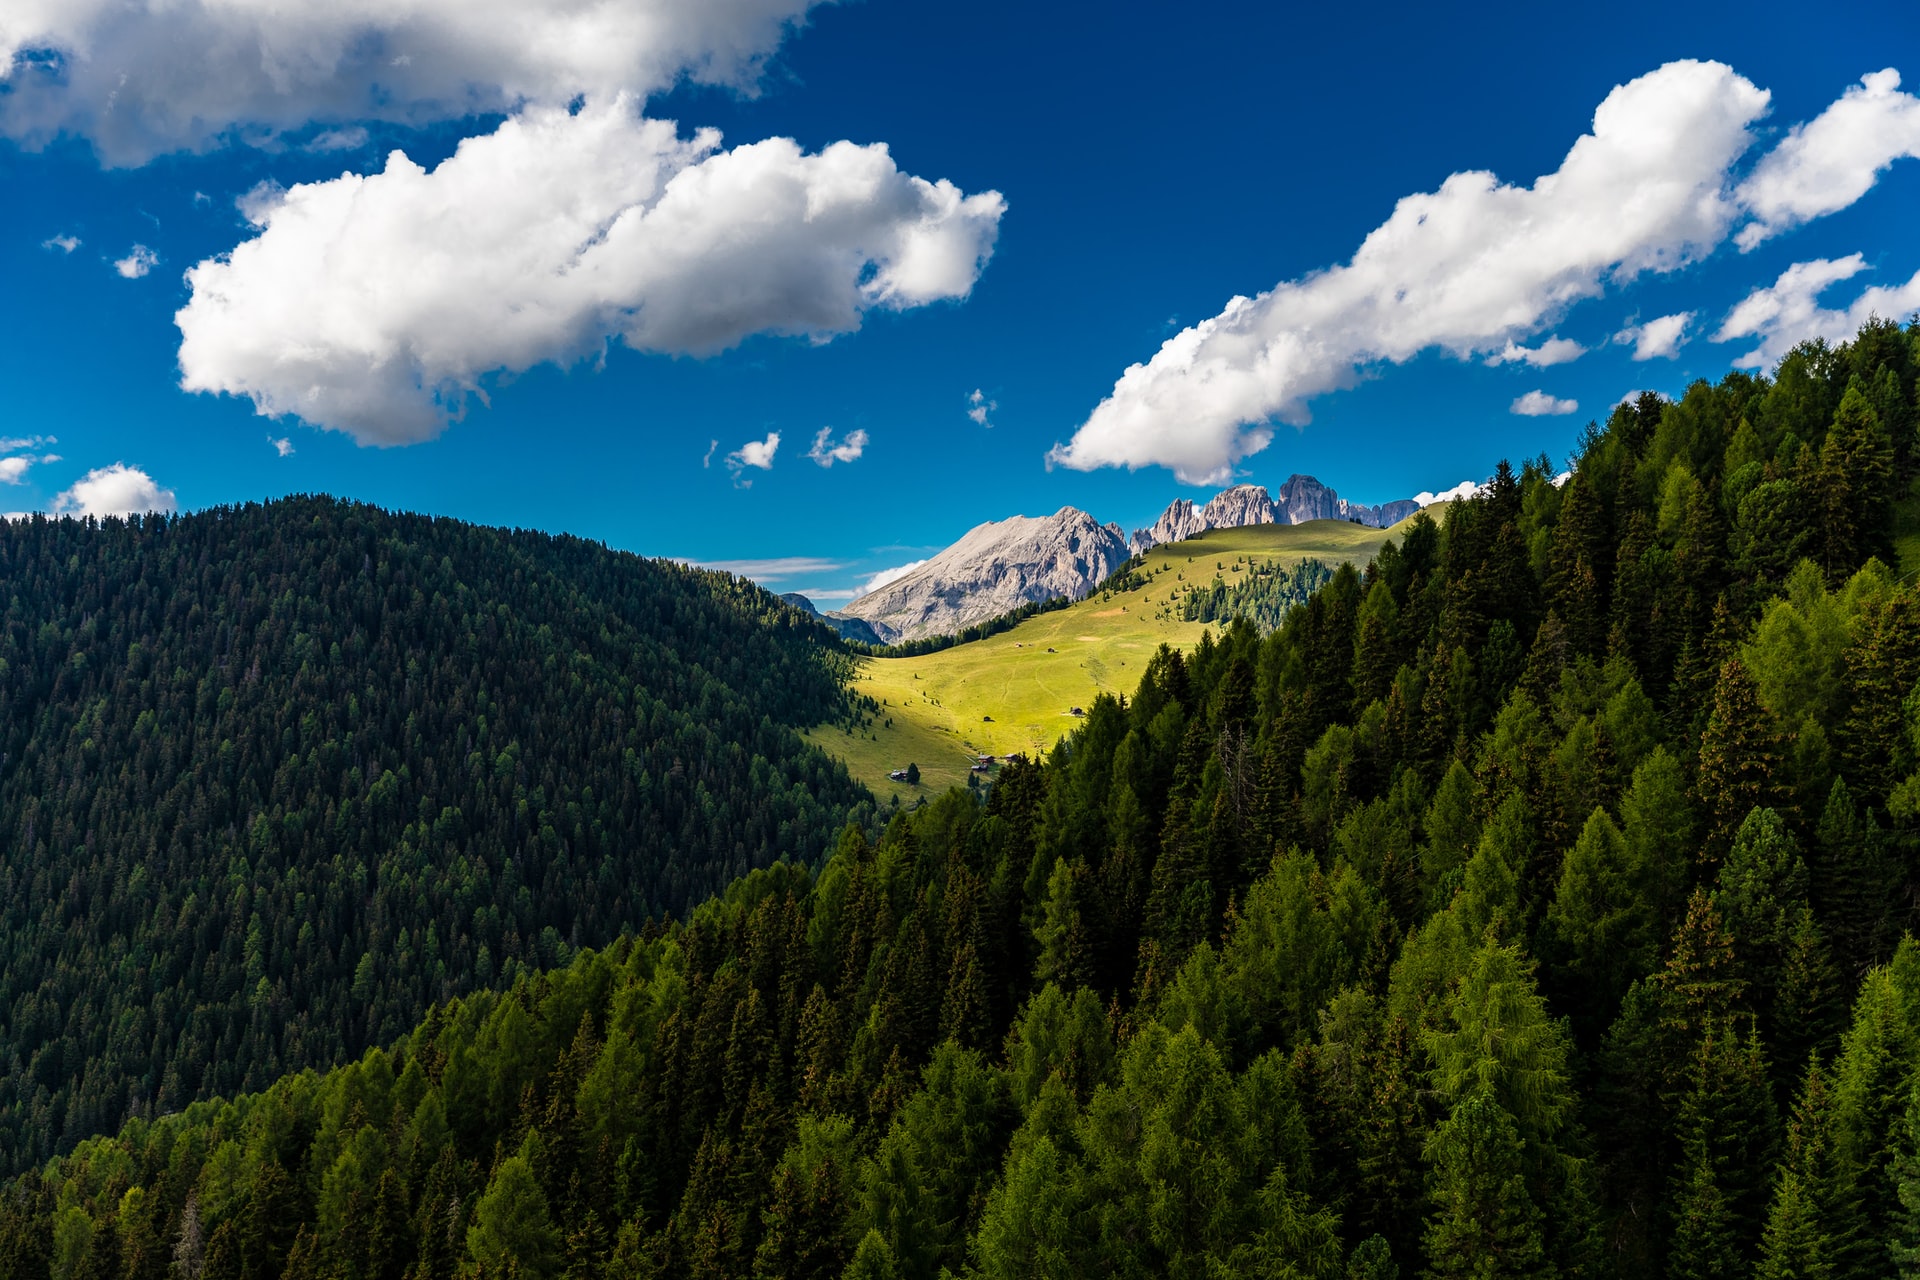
[
  {"x": 1726, "y": 1126},
  {"x": 1852, "y": 879},
  {"x": 1903, "y": 1244},
  {"x": 1484, "y": 1223},
  {"x": 1797, "y": 1243},
  {"x": 1658, "y": 824},
  {"x": 1598, "y": 922},
  {"x": 1740, "y": 758}
]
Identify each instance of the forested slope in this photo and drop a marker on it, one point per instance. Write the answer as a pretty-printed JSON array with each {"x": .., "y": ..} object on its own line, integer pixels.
[
  {"x": 275, "y": 779},
  {"x": 1532, "y": 904}
]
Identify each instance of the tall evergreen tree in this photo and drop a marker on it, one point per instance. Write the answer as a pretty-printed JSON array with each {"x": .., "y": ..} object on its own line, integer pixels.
[
  {"x": 1484, "y": 1223},
  {"x": 1739, "y": 760}
]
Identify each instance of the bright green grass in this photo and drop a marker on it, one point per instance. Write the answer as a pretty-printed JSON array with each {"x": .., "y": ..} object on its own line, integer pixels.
[{"x": 1015, "y": 692}]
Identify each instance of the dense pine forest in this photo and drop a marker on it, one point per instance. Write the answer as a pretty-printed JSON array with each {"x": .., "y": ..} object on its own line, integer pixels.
[
  {"x": 1535, "y": 903},
  {"x": 277, "y": 779}
]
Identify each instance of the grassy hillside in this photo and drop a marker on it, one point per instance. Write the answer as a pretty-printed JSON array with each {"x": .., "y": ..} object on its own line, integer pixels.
[{"x": 1016, "y": 691}]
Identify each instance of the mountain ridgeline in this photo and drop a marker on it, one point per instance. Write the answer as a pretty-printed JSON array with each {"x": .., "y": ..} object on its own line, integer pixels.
[
  {"x": 1003, "y": 565},
  {"x": 1533, "y": 903},
  {"x": 276, "y": 779}
]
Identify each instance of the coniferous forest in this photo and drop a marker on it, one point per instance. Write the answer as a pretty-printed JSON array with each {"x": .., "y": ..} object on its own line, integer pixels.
[
  {"x": 1536, "y": 902},
  {"x": 275, "y": 780}
]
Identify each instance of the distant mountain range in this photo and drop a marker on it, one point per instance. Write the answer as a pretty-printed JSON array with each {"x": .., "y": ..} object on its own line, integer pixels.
[
  {"x": 1001, "y": 565},
  {"x": 1301, "y": 498}
]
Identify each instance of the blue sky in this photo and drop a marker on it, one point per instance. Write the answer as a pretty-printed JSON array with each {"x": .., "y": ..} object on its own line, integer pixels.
[{"x": 1150, "y": 164}]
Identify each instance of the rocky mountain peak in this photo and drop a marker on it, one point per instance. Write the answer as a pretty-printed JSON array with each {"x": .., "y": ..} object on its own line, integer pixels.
[{"x": 994, "y": 569}]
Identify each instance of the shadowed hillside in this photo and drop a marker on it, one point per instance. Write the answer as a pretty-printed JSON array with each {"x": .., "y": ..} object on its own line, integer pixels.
[{"x": 276, "y": 778}]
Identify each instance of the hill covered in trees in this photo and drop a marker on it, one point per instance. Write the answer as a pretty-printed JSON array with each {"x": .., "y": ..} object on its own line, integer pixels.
[
  {"x": 276, "y": 779},
  {"x": 1533, "y": 903}
]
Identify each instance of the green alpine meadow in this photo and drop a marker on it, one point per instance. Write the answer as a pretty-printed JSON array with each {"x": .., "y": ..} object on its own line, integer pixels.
[{"x": 396, "y": 899}]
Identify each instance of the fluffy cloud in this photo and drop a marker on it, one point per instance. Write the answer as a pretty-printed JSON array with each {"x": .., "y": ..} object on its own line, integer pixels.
[
  {"x": 1538, "y": 404},
  {"x": 1551, "y": 352},
  {"x": 1465, "y": 489},
  {"x": 14, "y": 469},
  {"x": 137, "y": 263},
  {"x": 1788, "y": 312},
  {"x": 885, "y": 576},
  {"x": 826, "y": 452},
  {"x": 282, "y": 446},
  {"x": 1834, "y": 159},
  {"x": 1467, "y": 269},
  {"x": 1660, "y": 338},
  {"x": 980, "y": 409},
  {"x": 754, "y": 453},
  {"x": 117, "y": 490},
  {"x": 376, "y": 304},
  {"x": 64, "y": 243},
  {"x": 144, "y": 77}
]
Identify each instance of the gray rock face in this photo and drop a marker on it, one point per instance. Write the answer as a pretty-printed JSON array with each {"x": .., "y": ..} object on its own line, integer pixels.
[
  {"x": 994, "y": 569},
  {"x": 849, "y": 628},
  {"x": 1301, "y": 498}
]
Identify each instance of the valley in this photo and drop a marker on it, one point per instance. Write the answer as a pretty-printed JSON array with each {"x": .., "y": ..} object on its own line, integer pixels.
[{"x": 1015, "y": 692}]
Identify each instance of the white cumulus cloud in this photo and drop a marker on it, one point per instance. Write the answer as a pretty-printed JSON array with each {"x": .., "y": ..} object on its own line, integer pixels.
[
  {"x": 1551, "y": 352},
  {"x": 826, "y": 452},
  {"x": 283, "y": 445},
  {"x": 885, "y": 576},
  {"x": 117, "y": 490},
  {"x": 1832, "y": 160},
  {"x": 64, "y": 243},
  {"x": 1465, "y": 489},
  {"x": 1538, "y": 404},
  {"x": 377, "y": 304},
  {"x": 1466, "y": 269},
  {"x": 143, "y": 77},
  {"x": 754, "y": 453},
  {"x": 1788, "y": 312},
  {"x": 138, "y": 262},
  {"x": 1659, "y": 338}
]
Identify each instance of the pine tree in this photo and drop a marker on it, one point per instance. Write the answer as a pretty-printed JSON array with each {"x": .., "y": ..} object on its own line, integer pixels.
[
  {"x": 1904, "y": 1244},
  {"x": 1797, "y": 1243},
  {"x": 1852, "y": 879},
  {"x": 873, "y": 1260},
  {"x": 1726, "y": 1127},
  {"x": 1739, "y": 760},
  {"x": 1877, "y": 749},
  {"x": 1068, "y": 950},
  {"x": 1872, "y": 1087},
  {"x": 1658, "y": 826},
  {"x": 1855, "y": 485},
  {"x": 511, "y": 1226},
  {"x": 1484, "y": 1223},
  {"x": 1599, "y": 920}
]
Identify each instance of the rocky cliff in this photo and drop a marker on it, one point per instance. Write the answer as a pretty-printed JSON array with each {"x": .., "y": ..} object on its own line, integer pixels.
[
  {"x": 995, "y": 568},
  {"x": 1301, "y": 498},
  {"x": 850, "y": 628}
]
